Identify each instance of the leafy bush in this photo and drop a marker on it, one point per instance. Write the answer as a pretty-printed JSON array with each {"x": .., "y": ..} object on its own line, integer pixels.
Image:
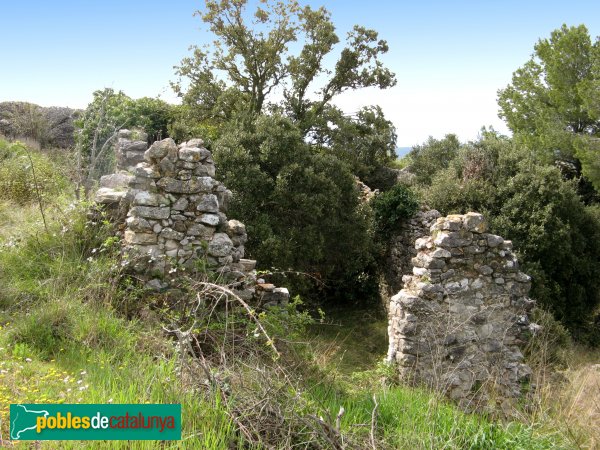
[
  {"x": 186, "y": 125},
  {"x": 152, "y": 115},
  {"x": 392, "y": 206},
  {"x": 24, "y": 173},
  {"x": 301, "y": 208},
  {"x": 366, "y": 142},
  {"x": 558, "y": 240},
  {"x": 425, "y": 160},
  {"x": 97, "y": 127},
  {"x": 22, "y": 120},
  {"x": 549, "y": 345}
]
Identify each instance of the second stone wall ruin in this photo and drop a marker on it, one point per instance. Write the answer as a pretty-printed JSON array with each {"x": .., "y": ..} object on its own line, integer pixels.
[{"x": 460, "y": 321}]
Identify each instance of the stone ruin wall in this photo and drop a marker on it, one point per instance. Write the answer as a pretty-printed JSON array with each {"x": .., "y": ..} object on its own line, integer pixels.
[
  {"x": 172, "y": 216},
  {"x": 400, "y": 250},
  {"x": 460, "y": 321}
]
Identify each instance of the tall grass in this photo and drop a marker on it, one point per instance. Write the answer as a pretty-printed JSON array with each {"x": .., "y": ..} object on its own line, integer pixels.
[{"x": 61, "y": 340}]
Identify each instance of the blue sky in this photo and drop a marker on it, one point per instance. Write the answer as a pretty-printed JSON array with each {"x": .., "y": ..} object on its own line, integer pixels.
[{"x": 450, "y": 58}]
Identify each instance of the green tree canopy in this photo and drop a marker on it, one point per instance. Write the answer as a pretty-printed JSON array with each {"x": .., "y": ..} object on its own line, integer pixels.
[
  {"x": 552, "y": 103},
  {"x": 301, "y": 208},
  {"x": 250, "y": 68},
  {"x": 366, "y": 141},
  {"x": 250, "y": 59},
  {"x": 263, "y": 91},
  {"x": 108, "y": 112}
]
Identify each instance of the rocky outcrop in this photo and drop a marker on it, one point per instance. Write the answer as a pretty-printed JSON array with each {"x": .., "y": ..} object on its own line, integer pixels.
[
  {"x": 461, "y": 319},
  {"x": 52, "y": 125},
  {"x": 174, "y": 215}
]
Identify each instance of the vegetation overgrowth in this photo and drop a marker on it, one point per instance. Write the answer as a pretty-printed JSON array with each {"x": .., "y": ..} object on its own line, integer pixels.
[
  {"x": 290, "y": 160},
  {"x": 75, "y": 328},
  {"x": 64, "y": 341}
]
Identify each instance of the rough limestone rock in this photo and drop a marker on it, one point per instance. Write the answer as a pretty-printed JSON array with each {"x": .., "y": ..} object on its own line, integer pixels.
[
  {"x": 173, "y": 220},
  {"x": 130, "y": 149},
  {"x": 108, "y": 195},
  {"x": 460, "y": 321},
  {"x": 57, "y": 122},
  {"x": 119, "y": 181},
  {"x": 159, "y": 150}
]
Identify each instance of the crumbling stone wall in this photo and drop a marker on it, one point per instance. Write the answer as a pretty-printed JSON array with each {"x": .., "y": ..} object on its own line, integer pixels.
[
  {"x": 129, "y": 152},
  {"x": 400, "y": 250},
  {"x": 175, "y": 216},
  {"x": 460, "y": 321}
]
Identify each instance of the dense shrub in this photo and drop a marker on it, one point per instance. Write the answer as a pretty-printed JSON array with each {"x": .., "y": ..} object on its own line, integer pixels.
[
  {"x": 301, "y": 208},
  {"x": 24, "y": 173},
  {"x": 186, "y": 125},
  {"x": 153, "y": 116},
  {"x": 392, "y": 206},
  {"x": 559, "y": 242},
  {"x": 549, "y": 345},
  {"x": 107, "y": 113},
  {"x": 22, "y": 120},
  {"x": 434, "y": 155},
  {"x": 366, "y": 142}
]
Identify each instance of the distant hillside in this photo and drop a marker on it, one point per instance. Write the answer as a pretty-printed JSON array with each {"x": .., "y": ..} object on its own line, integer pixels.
[
  {"x": 50, "y": 126},
  {"x": 402, "y": 151}
]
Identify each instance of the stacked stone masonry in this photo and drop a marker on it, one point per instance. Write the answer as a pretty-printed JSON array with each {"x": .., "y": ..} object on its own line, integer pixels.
[
  {"x": 460, "y": 321},
  {"x": 400, "y": 250},
  {"x": 176, "y": 216}
]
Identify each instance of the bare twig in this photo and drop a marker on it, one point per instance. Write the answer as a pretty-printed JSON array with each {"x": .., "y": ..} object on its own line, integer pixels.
[
  {"x": 338, "y": 419},
  {"x": 374, "y": 422},
  {"x": 251, "y": 312},
  {"x": 37, "y": 189},
  {"x": 263, "y": 400}
]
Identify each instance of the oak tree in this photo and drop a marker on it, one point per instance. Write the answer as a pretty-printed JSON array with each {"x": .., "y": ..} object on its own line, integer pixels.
[{"x": 250, "y": 67}]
